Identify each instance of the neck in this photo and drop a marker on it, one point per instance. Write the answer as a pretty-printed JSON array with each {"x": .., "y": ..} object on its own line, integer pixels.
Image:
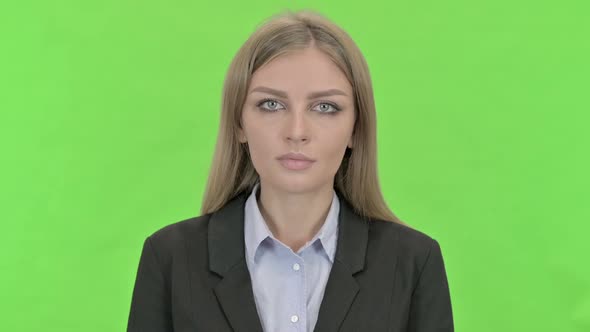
[{"x": 294, "y": 218}]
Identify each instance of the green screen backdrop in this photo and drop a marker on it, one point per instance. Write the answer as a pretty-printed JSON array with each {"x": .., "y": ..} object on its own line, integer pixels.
[{"x": 110, "y": 111}]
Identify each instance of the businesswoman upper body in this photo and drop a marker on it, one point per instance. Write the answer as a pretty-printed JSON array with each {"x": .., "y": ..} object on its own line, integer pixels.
[{"x": 294, "y": 234}]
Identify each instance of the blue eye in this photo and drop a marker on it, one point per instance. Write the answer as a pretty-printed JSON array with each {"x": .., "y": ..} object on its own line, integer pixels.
[
  {"x": 274, "y": 103},
  {"x": 270, "y": 101},
  {"x": 334, "y": 108}
]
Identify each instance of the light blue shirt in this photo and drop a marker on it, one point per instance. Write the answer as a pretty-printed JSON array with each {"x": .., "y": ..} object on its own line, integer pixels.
[{"x": 288, "y": 287}]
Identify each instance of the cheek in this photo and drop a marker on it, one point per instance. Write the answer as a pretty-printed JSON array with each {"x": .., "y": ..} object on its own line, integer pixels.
[
  {"x": 260, "y": 147},
  {"x": 262, "y": 143},
  {"x": 333, "y": 148},
  {"x": 254, "y": 128}
]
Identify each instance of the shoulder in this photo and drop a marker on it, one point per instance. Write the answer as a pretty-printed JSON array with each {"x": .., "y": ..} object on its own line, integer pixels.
[
  {"x": 411, "y": 244},
  {"x": 174, "y": 236}
]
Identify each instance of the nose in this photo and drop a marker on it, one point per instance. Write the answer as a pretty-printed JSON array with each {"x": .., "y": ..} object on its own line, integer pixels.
[{"x": 296, "y": 128}]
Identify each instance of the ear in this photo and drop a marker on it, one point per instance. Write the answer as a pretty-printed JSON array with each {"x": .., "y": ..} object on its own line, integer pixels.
[
  {"x": 241, "y": 136},
  {"x": 350, "y": 142}
]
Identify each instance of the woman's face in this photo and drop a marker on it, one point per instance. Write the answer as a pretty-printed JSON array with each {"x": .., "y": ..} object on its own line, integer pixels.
[{"x": 299, "y": 102}]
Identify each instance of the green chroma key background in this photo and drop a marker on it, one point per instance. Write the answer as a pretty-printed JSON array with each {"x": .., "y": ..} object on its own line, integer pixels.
[{"x": 110, "y": 112}]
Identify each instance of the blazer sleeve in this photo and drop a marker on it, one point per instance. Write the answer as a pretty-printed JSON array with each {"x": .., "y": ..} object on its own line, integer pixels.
[
  {"x": 430, "y": 307},
  {"x": 150, "y": 303}
]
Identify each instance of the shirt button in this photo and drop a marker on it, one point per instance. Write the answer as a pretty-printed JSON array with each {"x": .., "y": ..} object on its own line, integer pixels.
[
  {"x": 294, "y": 318},
  {"x": 296, "y": 267}
]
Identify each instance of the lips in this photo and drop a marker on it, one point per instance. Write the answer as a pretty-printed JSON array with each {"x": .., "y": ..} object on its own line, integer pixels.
[
  {"x": 295, "y": 156},
  {"x": 295, "y": 164}
]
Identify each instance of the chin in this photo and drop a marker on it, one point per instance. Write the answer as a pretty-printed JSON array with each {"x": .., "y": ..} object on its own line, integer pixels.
[{"x": 298, "y": 183}]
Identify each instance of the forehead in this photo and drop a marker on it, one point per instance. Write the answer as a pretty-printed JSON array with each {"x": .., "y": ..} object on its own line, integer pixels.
[{"x": 301, "y": 70}]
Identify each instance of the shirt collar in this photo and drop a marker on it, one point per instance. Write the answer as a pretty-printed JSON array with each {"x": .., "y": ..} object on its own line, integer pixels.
[{"x": 256, "y": 230}]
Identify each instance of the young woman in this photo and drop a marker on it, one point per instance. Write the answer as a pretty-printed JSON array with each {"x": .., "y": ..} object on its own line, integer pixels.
[{"x": 294, "y": 234}]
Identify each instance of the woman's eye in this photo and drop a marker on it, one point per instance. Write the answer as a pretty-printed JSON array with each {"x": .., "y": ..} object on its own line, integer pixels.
[
  {"x": 272, "y": 105},
  {"x": 326, "y": 108}
]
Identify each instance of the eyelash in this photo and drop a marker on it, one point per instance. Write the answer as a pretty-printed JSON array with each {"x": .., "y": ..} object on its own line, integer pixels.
[{"x": 259, "y": 104}]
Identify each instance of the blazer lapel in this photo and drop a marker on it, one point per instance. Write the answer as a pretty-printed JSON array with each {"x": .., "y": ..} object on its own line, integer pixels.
[
  {"x": 227, "y": 258},
  {"x": 234, "y": 291},
  {"x": 342, "y": 287}
]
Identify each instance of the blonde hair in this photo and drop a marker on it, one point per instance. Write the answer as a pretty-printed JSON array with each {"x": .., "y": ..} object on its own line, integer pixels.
[{"x": 232, "y": 172}]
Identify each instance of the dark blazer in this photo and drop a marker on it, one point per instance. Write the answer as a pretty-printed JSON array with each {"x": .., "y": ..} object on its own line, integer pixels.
[{"x": 192, "y": 276}]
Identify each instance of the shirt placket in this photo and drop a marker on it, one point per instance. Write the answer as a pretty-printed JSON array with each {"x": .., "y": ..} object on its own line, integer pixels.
[{"x": 298, "y": 317}]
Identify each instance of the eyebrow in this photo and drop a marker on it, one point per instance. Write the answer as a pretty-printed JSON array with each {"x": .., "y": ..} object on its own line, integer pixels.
[{"x": 317, "y": 94}]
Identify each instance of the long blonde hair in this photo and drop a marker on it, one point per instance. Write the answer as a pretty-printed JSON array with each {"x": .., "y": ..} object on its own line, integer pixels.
[{"x": 232, "y": 172}]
